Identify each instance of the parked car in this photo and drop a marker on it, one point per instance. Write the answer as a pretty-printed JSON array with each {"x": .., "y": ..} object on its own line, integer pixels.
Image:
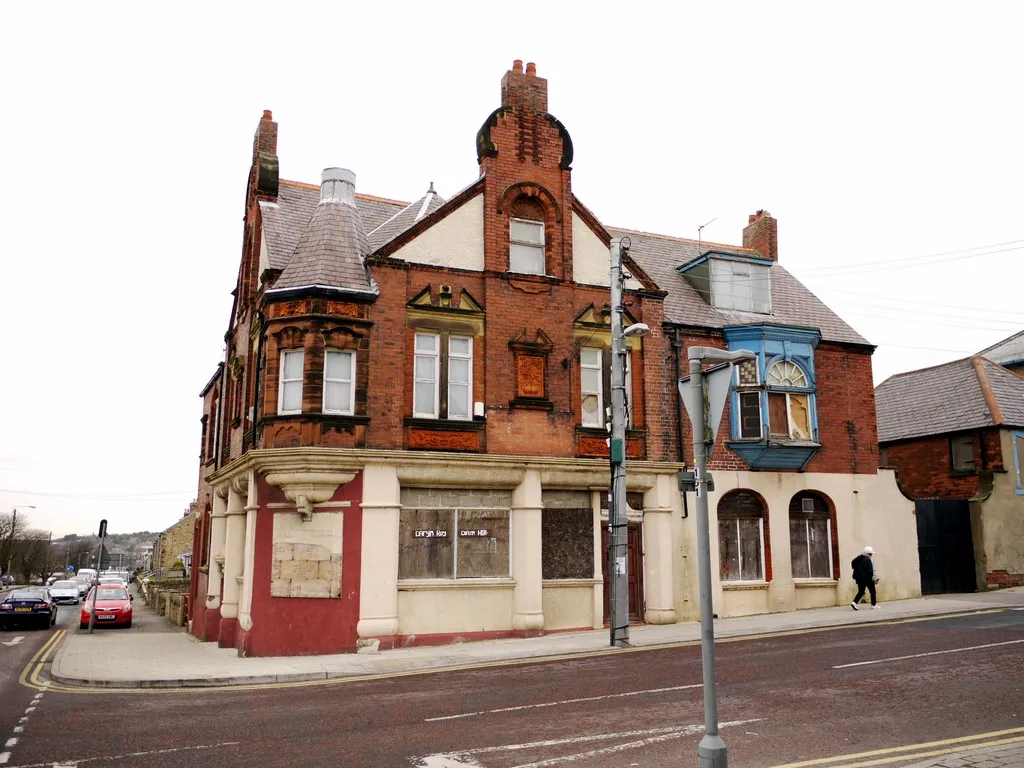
[
  {"x": 28, "y": 605},
  {"x": 65, "y": 591},
  {"x": 84, "y": 584},
  {"x": 113, "y": 606},
  {"x": 6, "y": 581},
  {"x": 111, "y": 579}
]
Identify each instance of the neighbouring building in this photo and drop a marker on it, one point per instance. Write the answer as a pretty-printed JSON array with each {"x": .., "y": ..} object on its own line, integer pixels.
[
  {"x": 955, "y": 435},
  {"x": 1009, "y": 353},
  {"x": 174, "y": 543},
  {"x": 406, "y": 442}
]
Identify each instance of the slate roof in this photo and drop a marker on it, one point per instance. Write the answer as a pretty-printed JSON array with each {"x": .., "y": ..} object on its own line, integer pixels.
[
  {"x": 792, "y": 303},
  {"x": 404, "y": 219},
  {"x": 1008, "y": 351},
  {"x": 972, "y": 393},
  {"x": 330, "y": 251},
  {"x": 285, "y": 220}
]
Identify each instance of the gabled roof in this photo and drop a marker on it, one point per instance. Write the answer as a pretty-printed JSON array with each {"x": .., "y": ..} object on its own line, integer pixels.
[
  {"x": 1008, "y": 351},
  {"x": 285, "y": 220},
  {"x": 792, "y": 304},
  {"x": 972, "y": 393}
]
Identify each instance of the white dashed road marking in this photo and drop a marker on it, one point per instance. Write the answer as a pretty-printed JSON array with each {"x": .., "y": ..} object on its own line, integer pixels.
[
  {"x": 72, "y": 763},
  {"x": 930, "y": 653}
]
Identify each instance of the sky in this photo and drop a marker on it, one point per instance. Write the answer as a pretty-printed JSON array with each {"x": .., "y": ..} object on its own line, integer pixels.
[{"x": 883, "y": 137}]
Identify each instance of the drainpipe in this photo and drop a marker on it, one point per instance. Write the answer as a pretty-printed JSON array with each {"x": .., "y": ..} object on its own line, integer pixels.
[
  {"x": 256, "y": 378},
  {"x": 677, "y": 351}
]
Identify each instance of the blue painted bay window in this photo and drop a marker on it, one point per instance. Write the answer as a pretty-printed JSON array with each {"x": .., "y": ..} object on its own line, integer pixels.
[{"x": 774, "y": 398}]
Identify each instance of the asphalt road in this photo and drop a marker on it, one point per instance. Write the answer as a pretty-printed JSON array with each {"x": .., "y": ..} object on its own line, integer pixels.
[{"x": 783, "y": 699}]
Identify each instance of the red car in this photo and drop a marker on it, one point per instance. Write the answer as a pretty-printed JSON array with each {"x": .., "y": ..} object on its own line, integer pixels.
[{"x": 113, "y": 607}]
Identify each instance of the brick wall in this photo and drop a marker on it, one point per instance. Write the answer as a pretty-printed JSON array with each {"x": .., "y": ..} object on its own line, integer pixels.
[
  {"x": 174, "y": 541},
  {"x": 924, "y": 470}
]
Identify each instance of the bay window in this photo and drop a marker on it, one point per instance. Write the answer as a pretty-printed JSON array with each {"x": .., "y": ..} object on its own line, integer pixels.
[
  {"x": 339, "y": 382},
  {"x": 289, "y": 394}
]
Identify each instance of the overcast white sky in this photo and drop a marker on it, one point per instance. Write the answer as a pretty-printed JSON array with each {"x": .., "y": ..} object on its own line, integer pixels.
[{"x": 878, "y": 134}]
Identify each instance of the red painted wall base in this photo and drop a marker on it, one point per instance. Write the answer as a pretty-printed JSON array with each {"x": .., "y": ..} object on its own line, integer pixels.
[{"x": 226, "y": 636}]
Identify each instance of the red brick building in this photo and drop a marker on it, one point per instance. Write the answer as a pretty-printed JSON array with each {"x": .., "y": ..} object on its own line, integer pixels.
[
  {"x": 955, "y": 435},
  {"x": 406, "y": 440}
]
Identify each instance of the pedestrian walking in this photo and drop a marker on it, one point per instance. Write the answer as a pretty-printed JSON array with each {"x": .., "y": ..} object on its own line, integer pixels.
[{"x": 866, "y": 576}]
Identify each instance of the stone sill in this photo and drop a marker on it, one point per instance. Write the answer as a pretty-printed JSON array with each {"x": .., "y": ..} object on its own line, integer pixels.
[
  {"x": 569, "y": 583},
  {"x": 739, "y": 586},
  {"x": 418, "y": 585},
  {"x": 811, "y": 583}
]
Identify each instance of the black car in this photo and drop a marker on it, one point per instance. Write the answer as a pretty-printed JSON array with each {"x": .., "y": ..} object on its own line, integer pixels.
[{"x": 28, "y": 606}]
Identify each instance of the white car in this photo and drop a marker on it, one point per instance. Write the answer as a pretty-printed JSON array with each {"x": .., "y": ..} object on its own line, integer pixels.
[
  {"x": 111, "y": 580},
  {"x": 65, "y": 591},
  {"x": 84, "y": 584}
]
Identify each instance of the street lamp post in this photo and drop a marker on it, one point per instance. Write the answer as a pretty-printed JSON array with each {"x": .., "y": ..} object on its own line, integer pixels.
[
  {"x": 618, "y": 541},
  {"x": 711, "y": 752}
]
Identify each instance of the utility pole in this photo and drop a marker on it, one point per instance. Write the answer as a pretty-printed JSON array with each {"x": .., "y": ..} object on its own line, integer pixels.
[
  {"x": 96, "y": 583},
  {"x": 618, "y": 523},
  {"x": 711, "y": 752}
]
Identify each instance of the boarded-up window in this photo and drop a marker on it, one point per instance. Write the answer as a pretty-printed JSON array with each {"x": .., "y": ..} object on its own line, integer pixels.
[
  {"x": 567, "y": 535},
  {"x": 750, "y": 414},
  {"x": 810, "y": 536},
  {"x": 778, "y": 417},
  {"x": 453, "y": 534},
  {"x": 741, "y": 536},
  {"x": 962, "y": 453}
]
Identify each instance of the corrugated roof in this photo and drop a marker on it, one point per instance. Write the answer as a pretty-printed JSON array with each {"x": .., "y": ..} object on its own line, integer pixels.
[
  {"x": 792, "y": 304},
  {"x": 1009, "y": 350},
  {"x": 948, "y": 398}
]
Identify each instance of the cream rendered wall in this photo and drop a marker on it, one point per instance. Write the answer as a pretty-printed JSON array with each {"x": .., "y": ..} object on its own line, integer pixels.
[
  {"x": 1002, "y": 517},
  {"x": 590, "y": 257},
  {"x": 568, "y": 604},
  {"x": 869, "y": 510},
  {"x": 478, "y": 606},
  {"x": 457, "y": 240}
]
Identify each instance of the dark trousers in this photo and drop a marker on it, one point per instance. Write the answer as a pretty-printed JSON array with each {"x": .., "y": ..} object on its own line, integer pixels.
[{"x": 870, "y": 587}]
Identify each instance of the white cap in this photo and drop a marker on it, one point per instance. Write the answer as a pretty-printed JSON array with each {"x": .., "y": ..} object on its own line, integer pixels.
[{"x": 868, "y": 551}]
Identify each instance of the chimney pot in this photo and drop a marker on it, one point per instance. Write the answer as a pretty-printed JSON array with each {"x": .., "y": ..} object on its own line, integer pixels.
[
  {"x": 267, "y": 114},
  {"x": 338, "y": 185},
  {"x": 517, "y": 65},
  {"x": 531, "y": 69}
]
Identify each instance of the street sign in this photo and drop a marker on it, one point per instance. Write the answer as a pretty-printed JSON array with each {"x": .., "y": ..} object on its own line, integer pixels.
[
  {"x": 71, "y": 569},
  {"x": 103, "y": 528},
  {"x": 717, "y": 381}
]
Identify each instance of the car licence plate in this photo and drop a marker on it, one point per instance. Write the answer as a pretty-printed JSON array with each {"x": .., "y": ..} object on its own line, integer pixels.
[
  {"x": 105, "y": 618},
  {"x": 22, "y": 609}
]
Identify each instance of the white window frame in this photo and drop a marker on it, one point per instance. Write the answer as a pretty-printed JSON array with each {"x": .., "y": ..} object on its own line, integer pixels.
[
  {"x": 629, "y": 388},
  {"x": 351, "y": 409},
  {"x": 528, "y": 244},
  {"x": 739, "y": 553},
  {"x": 807, "y": 546},
  {"x": 469, "y": 390},
  {"x": 282, "y": 381},
  {"x": 436, "y": 354},
  {"x": 727, "y": 275},
  {"x": 600, "y": 386}
]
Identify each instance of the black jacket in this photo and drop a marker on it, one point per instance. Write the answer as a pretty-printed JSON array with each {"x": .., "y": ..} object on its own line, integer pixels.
[{"x": 863, "y": 572}]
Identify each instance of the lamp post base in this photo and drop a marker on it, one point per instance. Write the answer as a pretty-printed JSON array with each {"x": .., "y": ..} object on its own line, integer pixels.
[{"x": 711, "y": 753}]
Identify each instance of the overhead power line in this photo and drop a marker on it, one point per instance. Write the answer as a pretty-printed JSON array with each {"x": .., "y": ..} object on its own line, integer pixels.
[
  {"x": 819, "y": 272},
  {"x": 924, "y": 303},
  {"x": 966, "y": 251}
]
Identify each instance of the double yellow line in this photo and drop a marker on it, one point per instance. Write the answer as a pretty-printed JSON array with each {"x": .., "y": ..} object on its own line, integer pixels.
[
  {"x": 915, "y": 751},
  {"x": 32, "y": 669}
]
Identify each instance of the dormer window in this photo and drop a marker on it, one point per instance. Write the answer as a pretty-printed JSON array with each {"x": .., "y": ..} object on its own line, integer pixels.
[{"x": 740, "y": 285}]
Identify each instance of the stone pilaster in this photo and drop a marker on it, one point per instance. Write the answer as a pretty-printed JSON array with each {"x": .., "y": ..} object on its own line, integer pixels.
[
  {"x": 527, "y": 599},
  {"x": 249, "y": 554},
  {"x": 378, "y": 600},
  {"x": 659, "y": 597},
  {"x": 234, "y": 547},
  {"x": 217, "y": 532}
]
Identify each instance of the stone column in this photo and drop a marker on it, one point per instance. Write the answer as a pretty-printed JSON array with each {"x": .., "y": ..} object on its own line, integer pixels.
[
  {"x": 217, "y": 526},
  {"x": 527, "y": 599},
  {"x": 378, "y": 599},
  {"x": 659, "y": 597},
  {"x": 249, "y": 554},
  {"x": 234, "y": 547}
]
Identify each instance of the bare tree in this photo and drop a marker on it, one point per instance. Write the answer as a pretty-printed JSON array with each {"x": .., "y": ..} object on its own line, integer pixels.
[{"x": 12, "y": 527}]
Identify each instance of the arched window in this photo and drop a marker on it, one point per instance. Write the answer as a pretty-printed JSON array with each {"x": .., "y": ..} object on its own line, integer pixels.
[
  {"x": 810, "y": 536},
  {"x": 789, "y": 412},
  {"x": 526, "y": 237},
  {"x": 741, "y": 537}
]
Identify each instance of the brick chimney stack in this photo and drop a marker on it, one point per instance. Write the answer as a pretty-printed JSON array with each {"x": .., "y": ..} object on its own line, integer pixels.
[
  {"x": 519, "y": 89},
  {"x": 263, "y": 176},
  {"x": 762, "y": 234}
]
